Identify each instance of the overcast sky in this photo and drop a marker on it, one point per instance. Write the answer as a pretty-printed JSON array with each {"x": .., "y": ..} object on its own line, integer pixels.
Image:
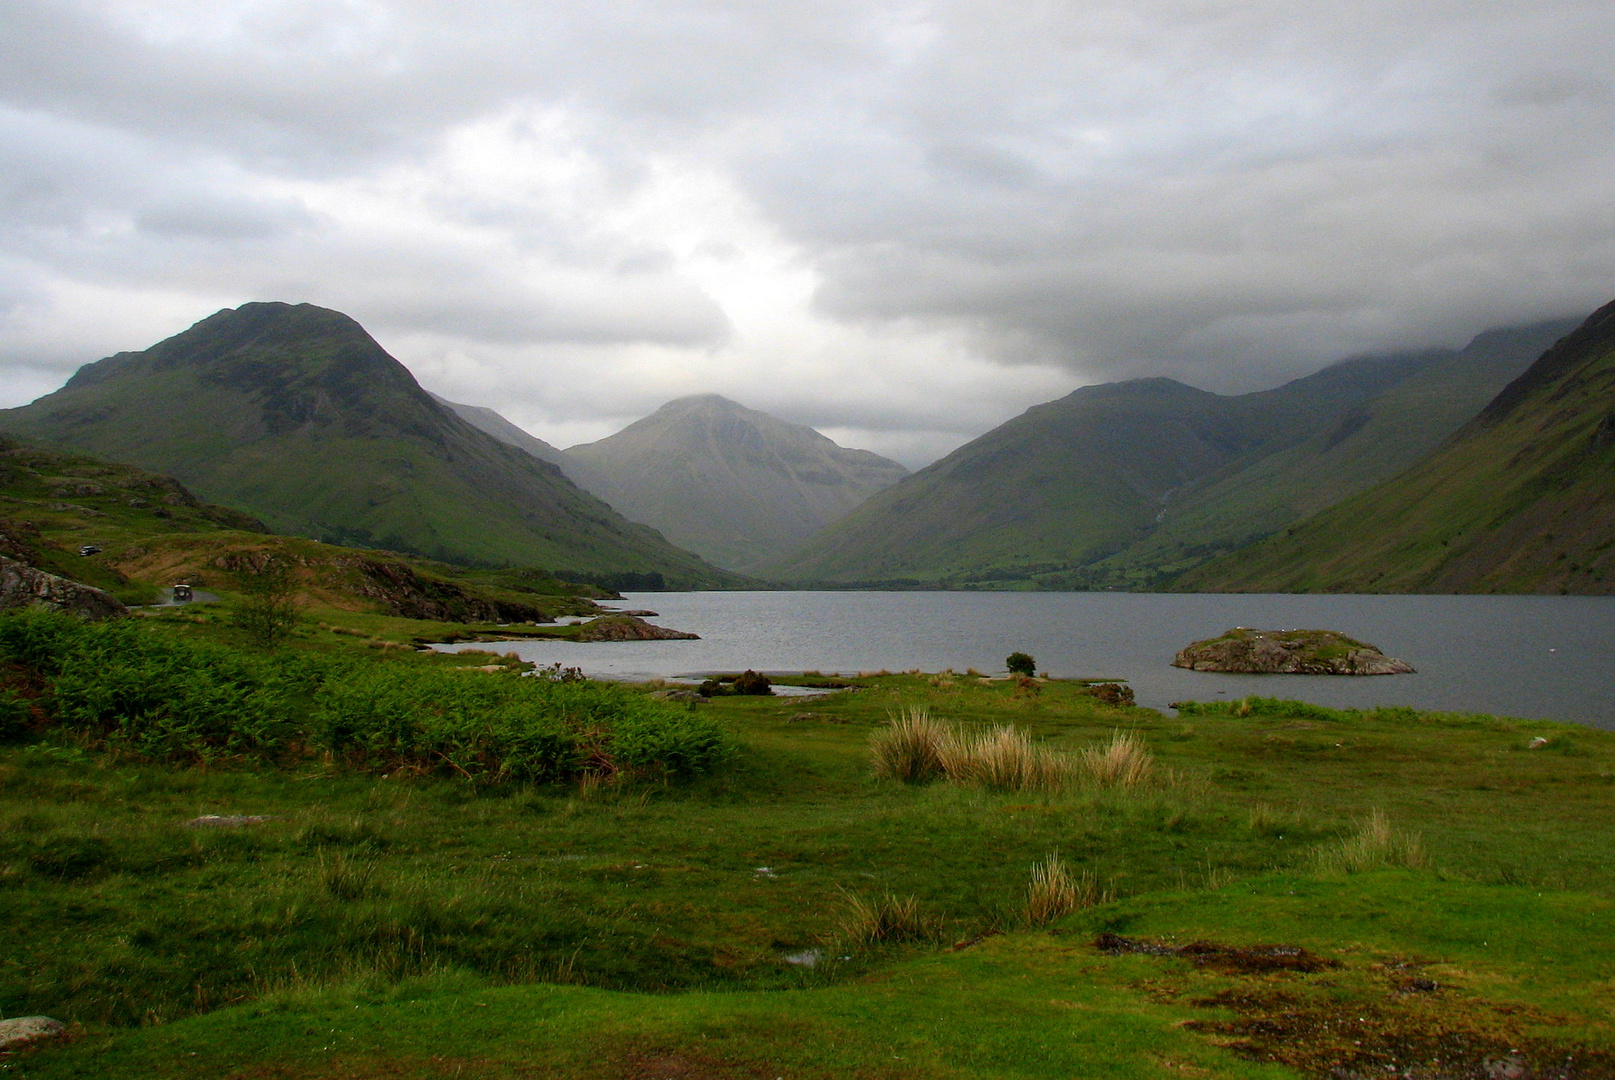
[{"x": 900, "y": 222}]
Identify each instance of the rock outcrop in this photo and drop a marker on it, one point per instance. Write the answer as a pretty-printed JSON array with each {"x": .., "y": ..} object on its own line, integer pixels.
[
  {"x": 629, "y": 628},
  {"x": 23, "y": 586},
  {"x": 1288, "y": 652}
]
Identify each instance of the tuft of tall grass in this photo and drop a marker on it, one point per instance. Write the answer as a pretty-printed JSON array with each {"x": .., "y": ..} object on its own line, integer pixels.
[
  {"x": 1004, "y": 758},
  {"x": 886, "y": 919},
  {"x": 1054, "y": 891},
  {"x": 1375, "y": 846},
  {"x": 1123, "y": 762},
  {"x": 909, "y": 748}
]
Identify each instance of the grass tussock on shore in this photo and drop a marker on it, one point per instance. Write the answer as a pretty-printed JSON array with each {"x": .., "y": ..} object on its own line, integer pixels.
[{"x": 915, "y": 747}]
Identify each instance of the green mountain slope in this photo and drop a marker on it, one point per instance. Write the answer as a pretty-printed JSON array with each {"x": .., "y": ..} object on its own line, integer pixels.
[
  {"x": 1522, "y": 499},
  {"x": 733, "y": 484},
  {"x": 1369, "y": 443},
  {"x": 295, "y": 414},
  {"x": 1129, "y": 484},
  {"x": 1068, "y": 483}
]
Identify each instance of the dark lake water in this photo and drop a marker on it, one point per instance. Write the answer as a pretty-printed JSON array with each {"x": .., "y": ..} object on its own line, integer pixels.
[{"x": 1549, "y": 657}]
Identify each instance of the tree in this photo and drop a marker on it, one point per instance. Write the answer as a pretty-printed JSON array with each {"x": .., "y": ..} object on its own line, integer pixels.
[
  {"x": 1020, "y": 663},
  {"x": 269, "y": 604}
]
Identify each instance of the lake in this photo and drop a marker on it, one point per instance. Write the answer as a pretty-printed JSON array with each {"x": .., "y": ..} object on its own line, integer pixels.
[{"x": 1547, "y": 657}]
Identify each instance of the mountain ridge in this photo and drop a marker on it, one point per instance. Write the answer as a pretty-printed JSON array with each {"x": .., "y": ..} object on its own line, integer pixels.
[
  {"x": 1519, "y": 499},
  {"x": 1089, "y": 490},
  {"x": 253, "y": 407}
]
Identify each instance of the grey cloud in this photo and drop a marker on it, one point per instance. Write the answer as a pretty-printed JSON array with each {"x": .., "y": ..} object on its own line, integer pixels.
[
  {"x": 217, "y": 217},
  {"x": 1229, "y": 193}
]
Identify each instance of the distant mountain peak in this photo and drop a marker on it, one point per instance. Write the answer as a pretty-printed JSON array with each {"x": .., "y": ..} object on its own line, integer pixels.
[{"x": 728, "y": 482}]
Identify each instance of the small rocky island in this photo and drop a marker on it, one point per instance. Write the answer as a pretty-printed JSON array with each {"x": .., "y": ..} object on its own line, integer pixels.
[
  {"x": 625, "y": 627},
  {"x": 1288, "y": 652}
]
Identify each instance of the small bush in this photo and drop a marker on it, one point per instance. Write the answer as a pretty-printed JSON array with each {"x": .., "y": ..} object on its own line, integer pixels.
[
  {"x": 1054, "y": 892},
  {"x": 909, "y": 747},
  {"x": 268, "y": 610},
  {"x": 1123, "y": 762},
  {"x": 747, "y": 684},
  {"x": 750, "y": 683},
  {"x": 1375, "y": 846},
  {"x": 1020, "y": 663},
  {"x": 1116, "y": 695}
]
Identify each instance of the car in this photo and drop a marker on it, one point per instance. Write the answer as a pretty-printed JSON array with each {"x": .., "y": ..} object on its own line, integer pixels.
[{"x": 89, "y": 549}]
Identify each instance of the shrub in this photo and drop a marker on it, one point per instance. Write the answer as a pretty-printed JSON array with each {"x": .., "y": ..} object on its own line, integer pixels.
[
  {"x": 268, "y": 609},
  {"x": 1020, "y": 663},
  {"x": 509, "y": 729},
  {"x": 175, "y": 700},
  {"x": 1122, "y": 762},
  {"x": 1116, "y": 695},
  {"x": 752, "y": 684},
  {"x": 909, "y": 747},
  {"x": 169, "y": 700}
]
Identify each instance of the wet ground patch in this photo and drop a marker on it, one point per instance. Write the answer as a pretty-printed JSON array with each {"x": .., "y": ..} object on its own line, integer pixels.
[
  {"x": 1229, "y": 959},
  {"x": 1371, "y": 1020}
]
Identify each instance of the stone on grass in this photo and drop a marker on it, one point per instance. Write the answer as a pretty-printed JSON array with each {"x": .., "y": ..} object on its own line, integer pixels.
[{"x": 22, "y": 1030}]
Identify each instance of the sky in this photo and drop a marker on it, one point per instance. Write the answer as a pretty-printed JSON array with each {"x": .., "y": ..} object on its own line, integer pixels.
[{"x": 900, "y": 222}]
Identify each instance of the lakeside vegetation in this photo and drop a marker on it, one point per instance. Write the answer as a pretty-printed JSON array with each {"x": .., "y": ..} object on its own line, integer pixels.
[{"x": 780, "y": 909}]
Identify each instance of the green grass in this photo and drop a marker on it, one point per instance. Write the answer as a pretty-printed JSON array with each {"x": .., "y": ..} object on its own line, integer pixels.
[{"x": 424, "y": 926}]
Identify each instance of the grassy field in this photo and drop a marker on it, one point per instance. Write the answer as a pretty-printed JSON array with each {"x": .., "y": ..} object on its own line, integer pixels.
[{"x": 1371, "y": 894}]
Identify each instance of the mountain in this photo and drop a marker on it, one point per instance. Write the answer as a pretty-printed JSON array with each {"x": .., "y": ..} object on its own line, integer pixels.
[
  {"x": 1124, "y": 484},
  {"x": 491, "y": 423},
  {"x": 732, "y": 484},
  {"x": 1521, "y": 499},
  {"x": 1371, "y": 442},
  {"x": 131, "y": 532},
  {"x": 298, "y": 416}
]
